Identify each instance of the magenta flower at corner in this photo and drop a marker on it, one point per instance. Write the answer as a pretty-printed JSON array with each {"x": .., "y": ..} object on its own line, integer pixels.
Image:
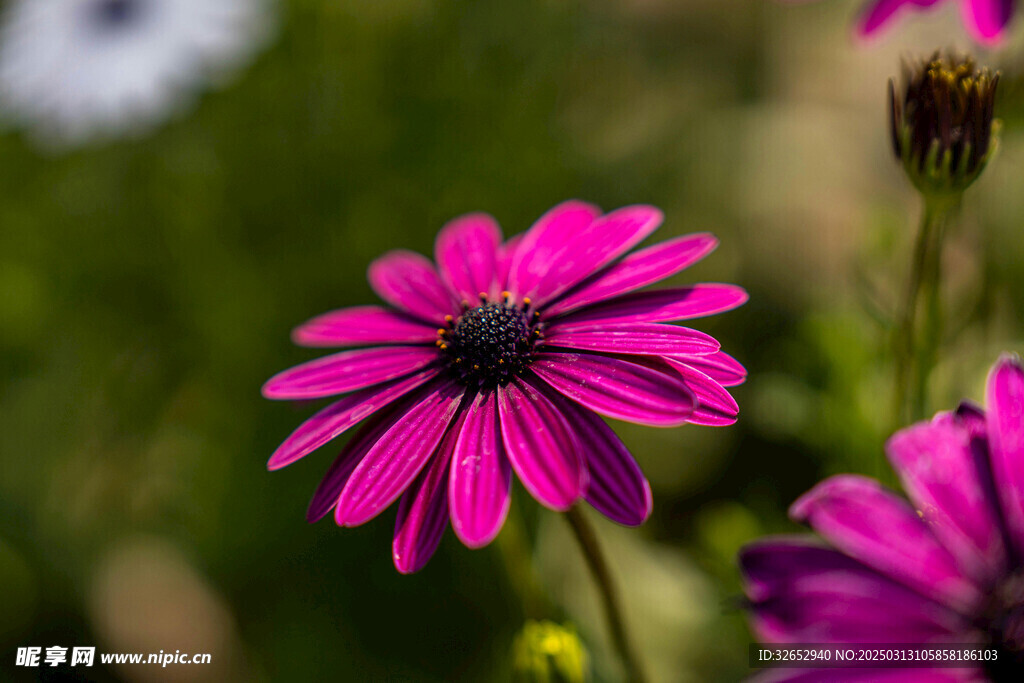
[
  {"x": 986, "y": 20},
  {"x": 944, "y": 566},
  {"x": 500, "y": 359}
]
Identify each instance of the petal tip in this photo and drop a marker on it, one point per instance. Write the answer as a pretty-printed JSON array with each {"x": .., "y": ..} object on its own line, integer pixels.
[
  {"x": 276, "y": 462},
  {"x": 577, "y": 205},
  {"x": 343, "y": 517},
  {"x": 270, "y": 390},
  {"x": 709, "y": 242},
  {"x": 560, "y": 506},
  {"x": 986, "y": 23},
  {"x": 804, "y": 507},
  {"x": 644, "y": 513},
  {"x": 1009, "y": 361},
  {"x": 300, "y": 336},
  {"x": 314, "y": 514},
  {"x": 404, "y": 564},
  {"x": 1005, "y": 378},
  {"x": 475, "y": 539},
  {"x": 648, "y": 212}
]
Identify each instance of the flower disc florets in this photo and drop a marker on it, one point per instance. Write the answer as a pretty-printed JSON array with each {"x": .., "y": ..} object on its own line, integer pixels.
[
  {"x": 943, "y": 130},
  {"x": 490, "y": 343}
]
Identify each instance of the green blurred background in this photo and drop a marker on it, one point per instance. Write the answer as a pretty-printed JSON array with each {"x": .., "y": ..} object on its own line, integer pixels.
[{"x": 147, "y": 289}]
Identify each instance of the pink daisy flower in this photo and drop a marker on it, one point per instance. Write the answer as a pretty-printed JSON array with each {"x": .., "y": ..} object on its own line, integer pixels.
[
  {"x": 499, "y": 360},
  {"x": 944, "y": 567},
  {"x": 986, "y": 20}
]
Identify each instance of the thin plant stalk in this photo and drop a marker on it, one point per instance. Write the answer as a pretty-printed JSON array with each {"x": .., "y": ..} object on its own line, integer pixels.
[
  {"x": 595, "y": 559},
  {"x": 919, "y": 329},
  {"x": 932, "y": 324}
]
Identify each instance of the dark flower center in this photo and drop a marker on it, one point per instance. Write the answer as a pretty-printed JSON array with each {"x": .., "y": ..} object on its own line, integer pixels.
[
  {"x": 491, "y": 343},
  {"x": 1003, "y": 620},
  {"x": 115, "y": 13}
]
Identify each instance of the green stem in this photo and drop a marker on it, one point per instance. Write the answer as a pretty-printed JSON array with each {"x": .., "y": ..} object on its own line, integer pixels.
[
  {"x": 609, "y": 595},
  {"x": 917, "y": 342},
  {"x": 931, "y": 326},
  {"x": 905, "y": 343}
]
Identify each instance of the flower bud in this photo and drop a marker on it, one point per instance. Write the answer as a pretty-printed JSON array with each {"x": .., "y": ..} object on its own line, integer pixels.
[
  {"x": 546, "y": 652},
  {"x": 943, "y": 130}
]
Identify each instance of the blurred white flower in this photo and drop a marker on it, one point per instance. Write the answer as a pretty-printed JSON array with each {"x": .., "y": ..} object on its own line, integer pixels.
[{"x": 72, "y": 70}]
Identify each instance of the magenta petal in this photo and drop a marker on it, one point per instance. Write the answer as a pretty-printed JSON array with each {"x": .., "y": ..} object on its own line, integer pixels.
[
  {"x": 466, "y": 252},
  {"x": 423, "y": 511},
  {"x": 408, "y": 281},
  {"x": 395, "y": 460},
  {"x": 329, "y": 490},
  {"x": 640, "y": 339},
  {"x": 720, "y": 367},
  {"x": 879, "y": 12},
  {"x": 597, "y": 245},
  {"x": 481, "y": 478},
  {"x": 637, "y": 270},
  {"x": 771, "y": 566},
  {"x": 1005, "y": 405},
  {"x": 945, "y": 478},
  {"x": 618, "y": 388},
  {"x": 542, "y": 447},
  {"x": 347, "y": 371},
  {"x": 873, "y": 525},
  {"x": 971, "y": 417},
  {"x": 662, "y": 305},
  {"x": 715, "y": 406},
  {"x": 851, "y": 607},
  {"x": 870, "y": 675},
  {"x": 987, "y": 19},
  {"x": 505, "y": 255},
  {"x": 544, "y": 243},
  {"x": 618, "y": 488},
  {"x": 362, "y": 325},
  {"x": 802, "y": 592},
  {"x": 338, "y": 417}
]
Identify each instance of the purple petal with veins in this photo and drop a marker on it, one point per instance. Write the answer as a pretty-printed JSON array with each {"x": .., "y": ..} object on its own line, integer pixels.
[
  {"x": 363, "y": 326},
  {"x": 541, "y": 445},
  {"x": 618, "y": 388},
  {"x": 348, "y": 371},
  {"x": 395, "y": 460},
  {"x": 409, "y": 281},
  {"x": 637, "y": 270}
]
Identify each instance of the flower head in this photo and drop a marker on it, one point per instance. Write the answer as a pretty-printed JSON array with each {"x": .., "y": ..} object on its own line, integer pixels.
[
  {"x": 942, "y": 122},
  {"x": 500, "y": 359},
  {"x": 71, "y": 70},
  {"x": 944, "y": 567}
]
